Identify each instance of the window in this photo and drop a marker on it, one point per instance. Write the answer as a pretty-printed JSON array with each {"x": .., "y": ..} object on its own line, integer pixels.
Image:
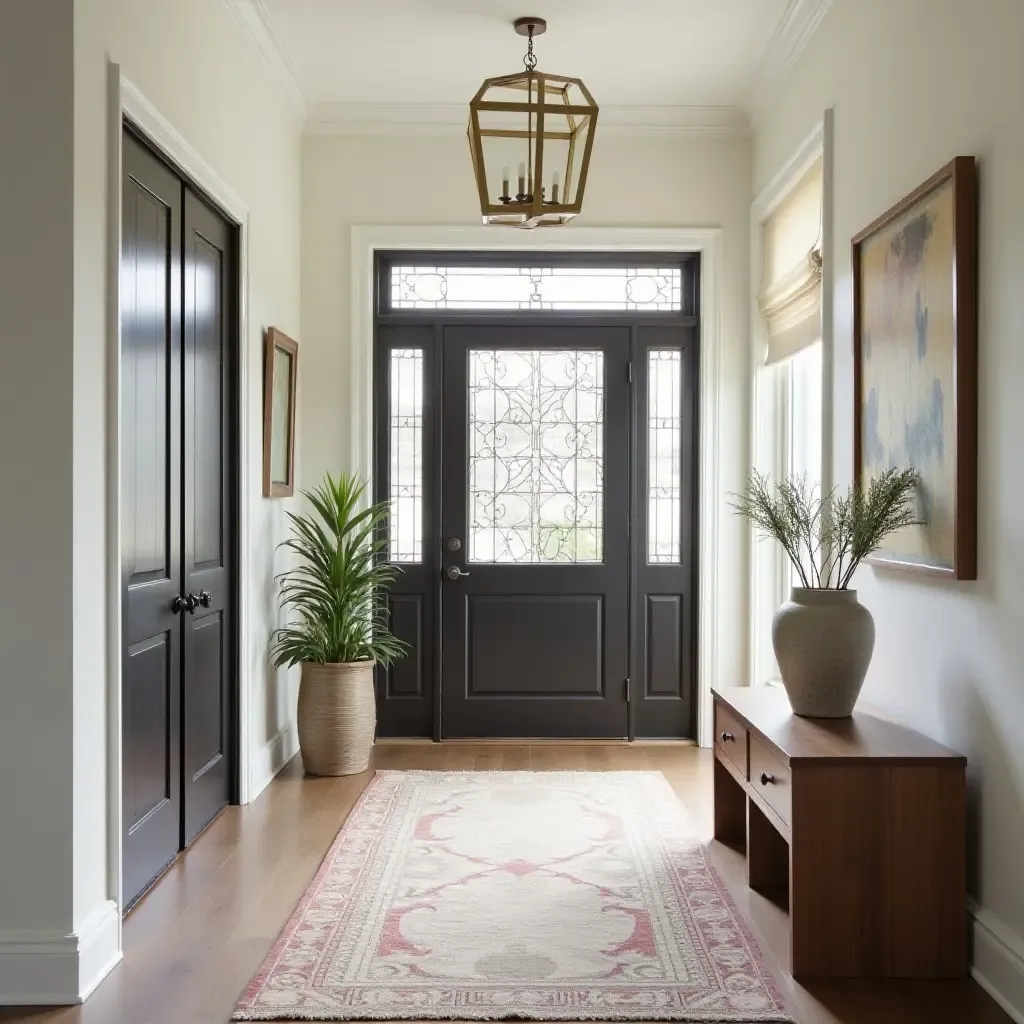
[
  {"x": 788, "y": 384},
  {"x": 536, "y": 466},
  {"x": 496, "y": 287},
  {"x": 405, "y": 538},
  {"x": 803, "y": 412},
  {"x": 664, "y": 454}
]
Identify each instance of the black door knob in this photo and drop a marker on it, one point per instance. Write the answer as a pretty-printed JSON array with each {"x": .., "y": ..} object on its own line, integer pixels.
[
  {"x": 179, "y": 604},
  {"x": 191, "y": 603},
  {"x": 205, "y": 598}
]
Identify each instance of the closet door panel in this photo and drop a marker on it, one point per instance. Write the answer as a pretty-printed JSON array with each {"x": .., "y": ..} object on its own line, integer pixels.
[
  {"x": 208, "y": 519},
  {"x": 150, "y": 515}
]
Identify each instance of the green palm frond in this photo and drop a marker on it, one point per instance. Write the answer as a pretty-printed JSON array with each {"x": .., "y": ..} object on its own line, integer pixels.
[{"x": 338, "y": 589}]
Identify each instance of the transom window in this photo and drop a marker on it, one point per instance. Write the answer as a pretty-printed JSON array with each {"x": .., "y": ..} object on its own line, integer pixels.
[{"x": 503, "y": 287}]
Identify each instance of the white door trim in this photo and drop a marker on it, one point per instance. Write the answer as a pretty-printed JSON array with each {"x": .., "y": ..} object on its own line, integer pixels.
[
  {"x": 125, "y": 101},
  {"x": 366, "y": 240}
]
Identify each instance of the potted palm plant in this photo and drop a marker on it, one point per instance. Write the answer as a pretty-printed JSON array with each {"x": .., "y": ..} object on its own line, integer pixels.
[
  {"x": 337, "y": 595},
  {"x": 823, "y": 638}
]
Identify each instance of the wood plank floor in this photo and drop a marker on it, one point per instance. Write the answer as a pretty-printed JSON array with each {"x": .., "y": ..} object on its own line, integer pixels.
[{"x": 192, "y": 944}]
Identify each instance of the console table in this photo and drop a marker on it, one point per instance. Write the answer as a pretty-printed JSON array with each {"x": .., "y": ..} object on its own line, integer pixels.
[{"x": 862, "y": 821}]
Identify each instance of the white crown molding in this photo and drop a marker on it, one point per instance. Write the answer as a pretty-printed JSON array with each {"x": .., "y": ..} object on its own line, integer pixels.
[
  {"x": 253, "y": 19},
  {"x": 440, "y": 119},
  {"x": 799, "y": 23}
]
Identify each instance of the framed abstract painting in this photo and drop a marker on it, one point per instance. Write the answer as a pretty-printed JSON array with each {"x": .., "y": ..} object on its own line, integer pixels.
[
  {"x": 915, "y": 348},
  {"x": 279, "y": 379}
]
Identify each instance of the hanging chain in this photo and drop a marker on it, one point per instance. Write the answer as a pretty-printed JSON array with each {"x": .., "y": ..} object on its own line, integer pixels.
[{"x": 530, "y": 60}]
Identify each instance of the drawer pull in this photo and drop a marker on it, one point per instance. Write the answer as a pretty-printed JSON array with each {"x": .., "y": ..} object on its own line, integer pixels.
[
  {"x": 727, "y": 737},
  {"x": 767, "y": 779}
]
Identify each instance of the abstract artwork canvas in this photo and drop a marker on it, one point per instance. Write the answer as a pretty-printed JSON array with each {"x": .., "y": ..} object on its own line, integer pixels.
[
  {"x": 915, "y": 366},
  {"x": 280, "y": 373}
]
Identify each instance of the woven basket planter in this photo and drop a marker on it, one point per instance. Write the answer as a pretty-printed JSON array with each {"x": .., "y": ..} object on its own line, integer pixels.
[{"x": 337, "y": 717}]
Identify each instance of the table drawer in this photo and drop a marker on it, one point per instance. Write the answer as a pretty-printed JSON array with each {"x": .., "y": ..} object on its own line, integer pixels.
[
  {"x": 731, "y": 737},
  {"x": 770, "y": 778}
]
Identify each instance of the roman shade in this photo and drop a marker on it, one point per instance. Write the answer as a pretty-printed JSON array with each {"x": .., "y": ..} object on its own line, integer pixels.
[{"x": 790, "y": 295}]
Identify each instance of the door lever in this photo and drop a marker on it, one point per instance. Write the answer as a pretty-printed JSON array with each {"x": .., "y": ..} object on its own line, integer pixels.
[{"x": 453, "y": 572}]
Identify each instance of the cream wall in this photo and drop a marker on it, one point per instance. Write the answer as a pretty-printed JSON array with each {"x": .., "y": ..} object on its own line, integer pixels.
[
  {"x": 210, "y": 84},
  {"x": 915, "y": 83},
  {"x": 36, "y": 282},
  {"x": 635, "y": 181}
]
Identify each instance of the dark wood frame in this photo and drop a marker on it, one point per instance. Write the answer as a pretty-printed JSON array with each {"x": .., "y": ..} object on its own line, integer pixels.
[
  {"x": 962, "y": 172},
  {"x": 277, "y": 339},
  {"x": 426, "y": 329}
]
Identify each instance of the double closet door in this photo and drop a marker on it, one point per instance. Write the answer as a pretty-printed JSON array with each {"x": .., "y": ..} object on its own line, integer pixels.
[{"x": 177, "y": 512}]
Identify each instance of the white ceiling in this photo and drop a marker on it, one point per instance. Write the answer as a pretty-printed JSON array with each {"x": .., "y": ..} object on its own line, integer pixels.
[{"x": 631, "y": 53}]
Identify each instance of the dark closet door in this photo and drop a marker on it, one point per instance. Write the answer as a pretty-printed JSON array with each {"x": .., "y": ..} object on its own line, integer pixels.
[
  {"x": 207, "y": 513},
  {"x": 150, "y": 515}
]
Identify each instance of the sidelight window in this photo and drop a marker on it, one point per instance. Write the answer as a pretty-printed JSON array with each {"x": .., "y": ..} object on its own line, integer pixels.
[
  {"x": 536, "y": 439},
  {"x": 406, "y": 448},
  {"x": 664, "y": 455}
]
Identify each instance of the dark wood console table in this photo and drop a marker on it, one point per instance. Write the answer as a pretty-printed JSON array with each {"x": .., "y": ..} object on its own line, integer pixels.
[{"x": 861, "y": 820}]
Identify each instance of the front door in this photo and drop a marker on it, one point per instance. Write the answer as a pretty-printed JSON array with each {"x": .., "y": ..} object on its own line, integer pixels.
[
  {"x": 535, "y": 527},
  {"x": 536, "y": 440}
]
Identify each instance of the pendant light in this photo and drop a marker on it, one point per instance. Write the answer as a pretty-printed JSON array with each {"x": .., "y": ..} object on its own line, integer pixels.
[{"x": 530, "y": 136}]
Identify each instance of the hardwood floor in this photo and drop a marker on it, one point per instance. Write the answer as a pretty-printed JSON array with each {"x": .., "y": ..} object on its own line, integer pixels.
[{"x": 192, "y": 944}]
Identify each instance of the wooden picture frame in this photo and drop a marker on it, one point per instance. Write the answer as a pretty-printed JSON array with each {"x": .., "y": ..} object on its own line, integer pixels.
[
  {"x": 281, "y": 370},
  {"x": 915, "y": 356}
]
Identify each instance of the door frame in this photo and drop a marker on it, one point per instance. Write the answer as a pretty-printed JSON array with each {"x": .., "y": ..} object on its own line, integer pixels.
[
  {"x": 368, "y": 240},
  {"x": 126, "y": 103}
]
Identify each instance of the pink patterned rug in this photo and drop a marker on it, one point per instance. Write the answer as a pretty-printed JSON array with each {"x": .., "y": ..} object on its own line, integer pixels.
[{"x": 537, "y": 895}]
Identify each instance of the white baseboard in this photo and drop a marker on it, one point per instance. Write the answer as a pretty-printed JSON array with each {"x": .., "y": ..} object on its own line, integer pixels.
[
  {"x": 997, "y": 964},
  {"x": 271, "y": 758},
  {"x": 49, "y": 969}
]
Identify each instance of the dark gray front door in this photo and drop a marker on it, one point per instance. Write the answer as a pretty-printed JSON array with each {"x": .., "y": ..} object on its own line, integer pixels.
[
  {"x": 535, "y": 531},
  {"x": 535, "y": 424}
]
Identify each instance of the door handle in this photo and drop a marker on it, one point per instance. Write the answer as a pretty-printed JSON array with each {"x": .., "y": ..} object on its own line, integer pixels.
[
  {"x": 453, "y": 572},
  {"x": 205, "y": 598},
  {"x": 179, "y": 604}
]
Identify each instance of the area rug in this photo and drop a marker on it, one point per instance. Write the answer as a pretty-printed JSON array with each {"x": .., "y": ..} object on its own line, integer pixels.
[{"x": 535, "y": 895}]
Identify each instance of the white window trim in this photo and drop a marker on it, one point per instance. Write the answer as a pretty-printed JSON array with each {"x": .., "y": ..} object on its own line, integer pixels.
[
  {"x": 770, "y": 386},
  {"x": 367, "y": 240}
]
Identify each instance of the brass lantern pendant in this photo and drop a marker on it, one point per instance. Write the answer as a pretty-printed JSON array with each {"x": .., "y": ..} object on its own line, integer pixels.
[{"x": 530, "y": 136}]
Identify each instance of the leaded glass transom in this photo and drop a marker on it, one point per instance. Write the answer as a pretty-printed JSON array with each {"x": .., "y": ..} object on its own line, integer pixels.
[
  {"x": 536, "y": 445},
  {"x": 405, "y": 414},
  {"x": 664, "y": 454},
  {"x": 643, "y": 289}
]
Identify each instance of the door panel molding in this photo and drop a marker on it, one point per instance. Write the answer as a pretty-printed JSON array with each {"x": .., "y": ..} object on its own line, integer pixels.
[{"x": 368, "y": 241}]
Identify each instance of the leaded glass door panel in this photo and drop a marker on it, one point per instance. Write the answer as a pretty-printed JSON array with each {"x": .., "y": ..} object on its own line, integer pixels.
[{"x": 535, "y": 527}]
